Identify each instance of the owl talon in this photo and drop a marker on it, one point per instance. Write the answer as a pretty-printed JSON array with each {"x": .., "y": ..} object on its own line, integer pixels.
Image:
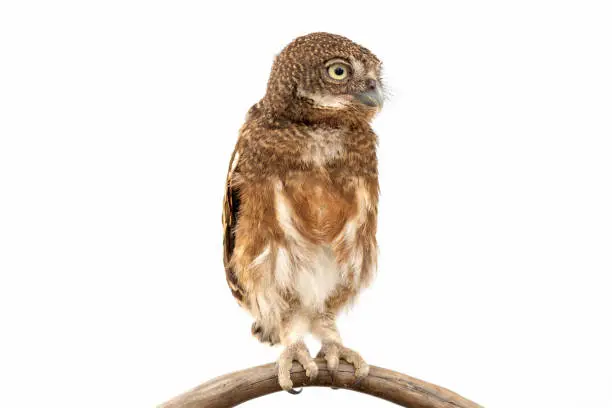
[
  {"x": 333, "y": 352},
  {"x": 295, "y": 352}
]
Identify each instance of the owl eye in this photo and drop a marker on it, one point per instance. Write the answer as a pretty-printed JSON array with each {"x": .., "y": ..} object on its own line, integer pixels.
[{"x": 338, "y": 71}]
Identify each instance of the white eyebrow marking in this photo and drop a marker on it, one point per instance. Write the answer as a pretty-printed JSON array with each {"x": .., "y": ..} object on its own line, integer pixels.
[{"x": 358, "y": 68}]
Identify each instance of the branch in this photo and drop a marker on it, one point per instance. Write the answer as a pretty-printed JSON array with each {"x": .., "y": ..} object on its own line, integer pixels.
[{"x": 235, "y": 388}]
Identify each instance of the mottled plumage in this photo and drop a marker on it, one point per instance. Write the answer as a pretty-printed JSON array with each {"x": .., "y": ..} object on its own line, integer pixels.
[{"x": 302, "y": 193}]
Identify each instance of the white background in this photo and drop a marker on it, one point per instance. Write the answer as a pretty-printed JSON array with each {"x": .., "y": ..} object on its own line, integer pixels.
[{"x": 117, "y": 121}]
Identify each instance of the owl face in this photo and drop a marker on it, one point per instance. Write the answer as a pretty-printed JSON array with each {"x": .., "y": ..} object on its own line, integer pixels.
[
  {"x": 324, "y": 72},
  {"x": 346, "y": 81}
]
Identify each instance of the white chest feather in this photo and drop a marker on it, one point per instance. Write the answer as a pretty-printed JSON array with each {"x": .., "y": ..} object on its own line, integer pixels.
[
  {"x": 310, "y": 274},
  {"x": 316, "y": 281}
]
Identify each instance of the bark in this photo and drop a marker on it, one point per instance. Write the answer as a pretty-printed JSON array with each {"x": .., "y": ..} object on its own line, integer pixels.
[{"x": 235, "y": 388}]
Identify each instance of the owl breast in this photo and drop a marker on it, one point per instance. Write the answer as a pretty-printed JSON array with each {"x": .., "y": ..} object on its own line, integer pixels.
[
  {"x": 308, "y": 215},
  {"x": 316, "y": 208},
  {"x": 319, "y": 220}
]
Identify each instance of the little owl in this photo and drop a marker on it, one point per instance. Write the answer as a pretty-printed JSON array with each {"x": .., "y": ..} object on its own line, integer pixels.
[{"x": 301, "y": 201}]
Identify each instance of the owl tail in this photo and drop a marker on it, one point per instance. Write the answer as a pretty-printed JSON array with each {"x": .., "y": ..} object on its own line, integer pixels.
[{"x": 265, "y": 334}]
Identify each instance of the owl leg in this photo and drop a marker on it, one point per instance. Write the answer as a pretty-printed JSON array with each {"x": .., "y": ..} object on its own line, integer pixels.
[
  {"x": 332, "y": 350},
  {"x": 292, "y": 337}
]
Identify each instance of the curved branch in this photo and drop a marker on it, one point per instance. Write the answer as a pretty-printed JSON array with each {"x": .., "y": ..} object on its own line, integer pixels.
[{"x": 235, "y": 388}]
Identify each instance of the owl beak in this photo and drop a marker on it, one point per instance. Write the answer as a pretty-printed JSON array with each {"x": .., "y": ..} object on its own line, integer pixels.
[{"x": 373, "y": 96}]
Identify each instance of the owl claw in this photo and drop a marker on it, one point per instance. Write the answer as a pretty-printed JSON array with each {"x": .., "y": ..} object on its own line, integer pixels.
[
  {"x": 333, "y": 352},
  {"x": 295, "y": 352}
]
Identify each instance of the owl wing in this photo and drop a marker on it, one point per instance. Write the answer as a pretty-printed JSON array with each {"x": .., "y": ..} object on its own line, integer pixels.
[{"x": 231, "y": 208}]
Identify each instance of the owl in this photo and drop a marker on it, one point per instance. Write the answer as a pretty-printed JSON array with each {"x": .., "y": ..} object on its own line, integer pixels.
[{"x": 300, "y": 208}]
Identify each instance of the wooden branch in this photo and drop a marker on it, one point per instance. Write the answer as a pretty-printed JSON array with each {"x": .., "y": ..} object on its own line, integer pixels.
[{"x": 235, "y": 388}]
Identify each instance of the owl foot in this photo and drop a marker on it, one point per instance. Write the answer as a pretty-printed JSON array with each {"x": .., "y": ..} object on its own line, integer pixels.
[
  {"x": 333, "y": 352},
  {"x": 295, "y": 352}
]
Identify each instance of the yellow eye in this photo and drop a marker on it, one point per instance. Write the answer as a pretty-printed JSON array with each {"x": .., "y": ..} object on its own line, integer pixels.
[{"x": 338, "y": 71}]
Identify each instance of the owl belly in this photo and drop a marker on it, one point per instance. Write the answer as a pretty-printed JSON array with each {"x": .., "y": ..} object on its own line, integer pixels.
[
  {"x": 317, "y": 280},
  {"x": 310, "y": 215}
]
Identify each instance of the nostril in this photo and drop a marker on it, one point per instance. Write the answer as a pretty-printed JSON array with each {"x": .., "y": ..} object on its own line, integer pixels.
[{"x": 371, "y": 84}]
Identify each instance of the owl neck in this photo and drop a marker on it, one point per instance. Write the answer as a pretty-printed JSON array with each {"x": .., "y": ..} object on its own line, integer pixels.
[{"x": 303, "y": 112}]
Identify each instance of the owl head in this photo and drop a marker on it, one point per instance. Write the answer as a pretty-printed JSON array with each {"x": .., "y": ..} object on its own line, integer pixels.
[{"x": 323, "y": 76}]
